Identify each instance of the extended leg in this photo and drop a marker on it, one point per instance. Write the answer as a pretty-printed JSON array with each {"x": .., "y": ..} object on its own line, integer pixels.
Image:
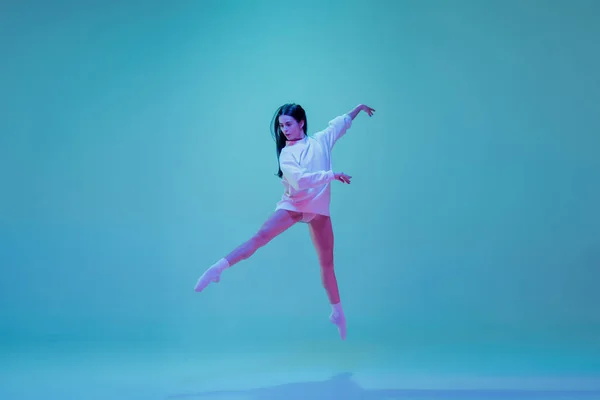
[
  {"x": 280, "y": 221},
  {"x": 321, "y": 233}
]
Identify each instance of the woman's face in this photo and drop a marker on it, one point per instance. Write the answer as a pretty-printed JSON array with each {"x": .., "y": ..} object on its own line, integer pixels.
[{"x": 291, "y": 128}]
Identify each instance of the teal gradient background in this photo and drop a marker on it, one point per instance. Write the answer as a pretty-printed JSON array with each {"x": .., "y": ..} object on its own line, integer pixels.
[{"x": 135, "y": 151}]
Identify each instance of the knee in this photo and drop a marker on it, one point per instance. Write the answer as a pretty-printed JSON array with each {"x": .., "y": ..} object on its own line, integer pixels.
[{"x": 260, "y": 239}]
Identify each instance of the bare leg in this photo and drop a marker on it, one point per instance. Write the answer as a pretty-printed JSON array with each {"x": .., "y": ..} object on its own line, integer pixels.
[
  {"x": 277, "y": 223},
  {"x": 280, "y": 221},
  {"x": 321, "y": 233}
]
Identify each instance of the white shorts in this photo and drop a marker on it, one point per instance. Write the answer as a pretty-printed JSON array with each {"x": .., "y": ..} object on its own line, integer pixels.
[{"x": 307, "y": 217}]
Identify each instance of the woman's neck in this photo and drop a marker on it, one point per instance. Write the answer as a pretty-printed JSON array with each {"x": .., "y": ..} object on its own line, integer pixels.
[{"x": 292, "y": 142}]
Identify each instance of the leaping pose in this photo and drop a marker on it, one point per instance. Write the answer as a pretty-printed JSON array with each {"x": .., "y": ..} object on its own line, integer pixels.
[{"x": 305, "y": 169}]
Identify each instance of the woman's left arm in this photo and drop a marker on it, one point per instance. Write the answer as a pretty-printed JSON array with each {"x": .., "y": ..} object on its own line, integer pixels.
[
  {"x": 337, "y": 127},
  {"x": 361, "y": 107}
]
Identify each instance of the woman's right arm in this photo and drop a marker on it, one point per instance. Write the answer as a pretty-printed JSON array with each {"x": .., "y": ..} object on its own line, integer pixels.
[{"x": 299, "y": 178}]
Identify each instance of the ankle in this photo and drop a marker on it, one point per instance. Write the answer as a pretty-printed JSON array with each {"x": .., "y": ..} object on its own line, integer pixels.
[
  {"x": 337, "y": 308},
  {"x": 222, "y": 264}
]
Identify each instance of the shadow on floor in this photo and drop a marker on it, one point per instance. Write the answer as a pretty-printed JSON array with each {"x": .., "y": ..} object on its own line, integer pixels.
[{"x": 343, "y": 387}]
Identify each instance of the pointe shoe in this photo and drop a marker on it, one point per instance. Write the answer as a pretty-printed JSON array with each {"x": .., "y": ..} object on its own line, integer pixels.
[
  {"x": 212, "y": 274},
  {"x": 339, "y": 320}
]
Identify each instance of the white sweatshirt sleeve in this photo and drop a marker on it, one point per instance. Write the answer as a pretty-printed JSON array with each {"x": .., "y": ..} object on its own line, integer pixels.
[
  {"x": 336, "y": 128},
  {"x": 298, "y": 177}
]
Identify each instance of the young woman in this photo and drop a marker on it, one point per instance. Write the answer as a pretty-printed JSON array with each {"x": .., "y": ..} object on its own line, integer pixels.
[{"x": 306, "y": 171}]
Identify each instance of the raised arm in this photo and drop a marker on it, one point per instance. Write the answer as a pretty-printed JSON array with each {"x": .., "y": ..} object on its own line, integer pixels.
[
  {"x": 361, "y": 107},
  {"x": 338, "y": 126}
]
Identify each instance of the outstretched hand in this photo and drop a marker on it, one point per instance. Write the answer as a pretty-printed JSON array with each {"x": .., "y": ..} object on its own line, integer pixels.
[
  {"x": 361, "y": 107},
  {"x": 342, "y": 177},
  {"x": 367, "y": 109}
]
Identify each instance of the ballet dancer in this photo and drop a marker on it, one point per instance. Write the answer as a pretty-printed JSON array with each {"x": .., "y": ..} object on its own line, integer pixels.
[{"x": 305, "y": 170}]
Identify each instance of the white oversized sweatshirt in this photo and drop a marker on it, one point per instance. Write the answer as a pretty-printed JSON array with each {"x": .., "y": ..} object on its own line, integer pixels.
[{"x": 307, "y": 169}]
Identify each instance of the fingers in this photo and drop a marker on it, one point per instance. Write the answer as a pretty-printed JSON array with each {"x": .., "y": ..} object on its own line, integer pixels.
[
  {"x": 370, "y": 111},
  {"x": 344, "y": 178}
]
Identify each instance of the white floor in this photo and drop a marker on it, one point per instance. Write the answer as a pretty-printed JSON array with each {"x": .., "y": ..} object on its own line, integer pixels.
[{"x": 264, "y": 377}]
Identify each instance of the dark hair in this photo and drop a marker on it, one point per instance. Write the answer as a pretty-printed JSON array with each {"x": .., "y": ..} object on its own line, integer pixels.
[{"x": 293, "y": 110}]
